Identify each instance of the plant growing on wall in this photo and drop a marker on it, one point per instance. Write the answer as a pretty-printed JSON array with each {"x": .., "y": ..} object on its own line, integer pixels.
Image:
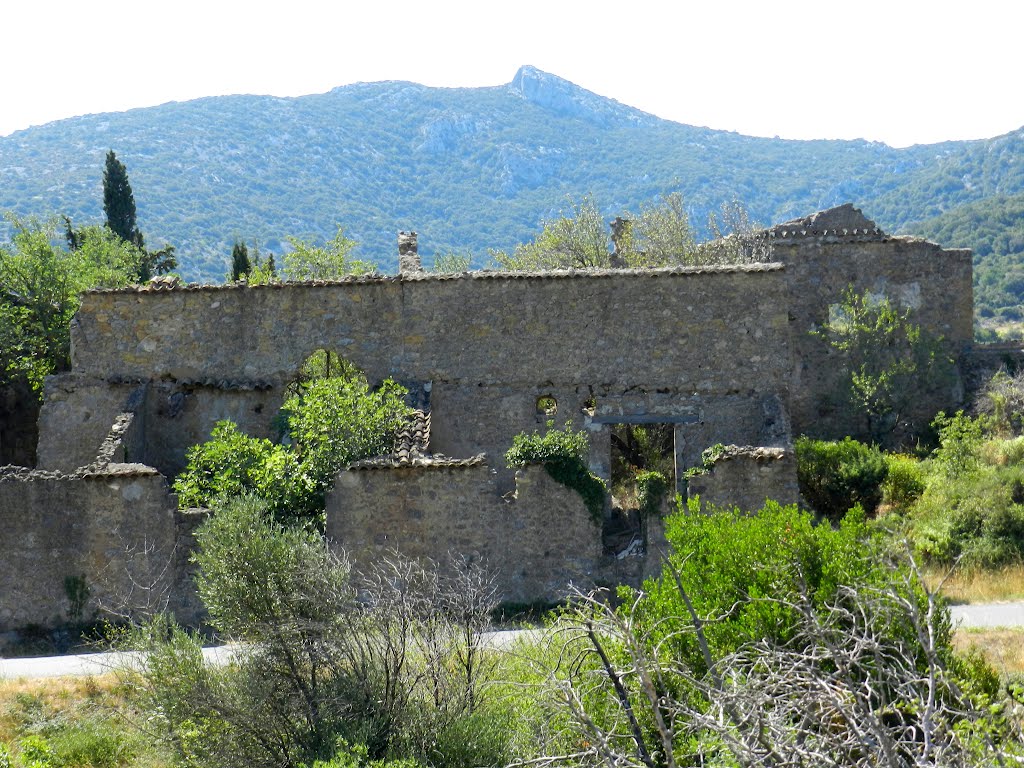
[
  {"x": 329, "y": 421},
  {"x": 885, "y": 358},
  {"x": 563, "y": 453},
  {"x": 651, "y": 488}
]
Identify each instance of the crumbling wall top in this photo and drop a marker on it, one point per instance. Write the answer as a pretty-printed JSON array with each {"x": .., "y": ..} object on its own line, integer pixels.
[
  {"x": 842, "y": 222},
  {"x": 422, "y": 276}
]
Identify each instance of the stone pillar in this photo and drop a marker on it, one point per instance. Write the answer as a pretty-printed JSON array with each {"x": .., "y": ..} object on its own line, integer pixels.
[
  {"x": 408, "y": 254},
  {"x": 679, "y": 450},
  {"x": 621, "y": 231}
]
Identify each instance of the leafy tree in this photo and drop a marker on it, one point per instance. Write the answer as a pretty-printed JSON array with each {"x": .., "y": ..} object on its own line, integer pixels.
[
  {"x": 330, "y": 261},
  {"x": 328, "y": 423},
  {"x": 119, "y": 201},
  {"x": 158, "y": 262},
  {"x": 660, "y": 236},
  {"x": 452, "y": 263},
  {"x": 119, "y": 207},
  {"x": 575, "y": 241},
  {"x": 885, "y": 359},
  {"x": 40, "y": 285}
]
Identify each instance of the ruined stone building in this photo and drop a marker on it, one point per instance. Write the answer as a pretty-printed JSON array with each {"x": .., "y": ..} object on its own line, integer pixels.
[{"x": 722, "y": 354}]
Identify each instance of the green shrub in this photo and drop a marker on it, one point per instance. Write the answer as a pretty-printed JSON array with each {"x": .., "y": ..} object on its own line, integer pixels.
[
  {"x": 730, "y": 562},
  {"x": 960, "y": 437},
  {"x": 563, "y": 453},
  {"x": 904, "y": 481},
  {"x": 708, "y": 457},
  {"x": 1001, "y": 452},
  {"x": 976, "y": 519},
  {"x": 95, "y": 743},
  {"x": 388, "y": 659},
  {"x": 329, "y": 423},
  {"x": 836, "y": 476},
  {"x": 231, "y": 463},
  {"x": 651, "y": 488},
  {"x": 756, "y": 625}
]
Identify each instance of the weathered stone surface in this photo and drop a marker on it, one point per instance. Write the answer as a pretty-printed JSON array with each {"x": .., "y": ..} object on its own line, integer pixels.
[
  {"x": 747, "y": 476},
  {"x": 723, "y": 354},
  {"x": 537, "y": 542},
  {"x": 115, "y": 532}
]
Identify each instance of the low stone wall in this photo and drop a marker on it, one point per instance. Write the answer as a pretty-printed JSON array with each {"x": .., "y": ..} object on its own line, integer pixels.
[
  {"x": 537, "y": 543},
  {"x": 745, "y": 477},
  {"x": 107, "y": 537},
  {"x": 983, "y": 361}
]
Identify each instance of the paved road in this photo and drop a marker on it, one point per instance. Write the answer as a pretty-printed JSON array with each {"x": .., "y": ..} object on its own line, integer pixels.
[
  {"x": 83, "y": 664},
  {"x": 101, "y": 663},
  {"x": 967, "y": 616},
  {"x": 988, "y": 615}
]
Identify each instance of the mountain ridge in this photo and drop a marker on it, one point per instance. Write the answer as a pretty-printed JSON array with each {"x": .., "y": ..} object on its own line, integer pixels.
[{"x": 468, "y": 168}]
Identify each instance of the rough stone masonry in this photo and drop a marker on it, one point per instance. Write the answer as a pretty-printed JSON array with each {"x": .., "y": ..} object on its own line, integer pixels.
[{"x": 720, "y": 354}]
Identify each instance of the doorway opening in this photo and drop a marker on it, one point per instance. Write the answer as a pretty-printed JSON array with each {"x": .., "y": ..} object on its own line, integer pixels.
[{"x": 642, "y": 476}]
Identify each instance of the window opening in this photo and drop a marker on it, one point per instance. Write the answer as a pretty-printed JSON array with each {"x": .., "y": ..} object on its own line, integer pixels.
[{"x": 547, "y": 407}]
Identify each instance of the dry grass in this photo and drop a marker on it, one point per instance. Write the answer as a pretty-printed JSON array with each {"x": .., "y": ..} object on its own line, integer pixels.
[
  {"x": 978, "y": 586},
  {"x": 57, "y": 695},
  {"x": 1004, "y": 648}
]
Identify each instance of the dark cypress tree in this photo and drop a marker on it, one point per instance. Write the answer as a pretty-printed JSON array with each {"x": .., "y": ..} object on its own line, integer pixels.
[
  {"x": 119, "y": 202},
  {"x": 240, "y": 264},
  {"x": 73, "y": 236}
]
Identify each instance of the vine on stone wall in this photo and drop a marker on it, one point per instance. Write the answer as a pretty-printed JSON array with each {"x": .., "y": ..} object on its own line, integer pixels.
[{"x": 562, "y": 452}]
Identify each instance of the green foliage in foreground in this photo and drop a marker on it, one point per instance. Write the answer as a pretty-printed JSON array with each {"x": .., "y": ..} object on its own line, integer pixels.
[
  {"x": 744, "y": 568},
  {"x": 329, "y": 423},
  {"x": 563, "y": 453},
  {"x": 769, "y": 640},
  {"x": 972, "y": 508},
  {"x": 836, "y": 476},
  {"x": 88, "y": 725},
  {"x": 335, "y": 667}
]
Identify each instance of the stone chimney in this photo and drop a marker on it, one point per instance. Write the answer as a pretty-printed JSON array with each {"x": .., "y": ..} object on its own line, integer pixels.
[
  {"x": 408, "y": 255},
  {"x": 622, "y": 230}
]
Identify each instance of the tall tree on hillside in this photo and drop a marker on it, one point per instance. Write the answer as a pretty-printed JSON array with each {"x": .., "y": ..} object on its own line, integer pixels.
[
  {"x": 240, "y": 264},
  {"x": 119, "y": 202}
]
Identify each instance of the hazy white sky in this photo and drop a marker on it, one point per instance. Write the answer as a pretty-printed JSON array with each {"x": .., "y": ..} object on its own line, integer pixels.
[{"x": 899, "y": 72}]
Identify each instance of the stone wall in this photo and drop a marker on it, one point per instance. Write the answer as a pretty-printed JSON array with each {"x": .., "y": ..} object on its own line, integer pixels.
[
  {"x": 114, "y": 530},
  {"x": 746, "y": 477},
  {"x": 825, "y": 254},
  {"x": 711, "y": 343},
  {"x": 537, "y": 542},
  {"x": 723, "y": 354}
]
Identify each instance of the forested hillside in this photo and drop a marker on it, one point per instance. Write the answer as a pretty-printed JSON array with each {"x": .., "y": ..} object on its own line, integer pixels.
[
  {"x": 994, "y": 229},
  {"x": 469, "y": 169}
]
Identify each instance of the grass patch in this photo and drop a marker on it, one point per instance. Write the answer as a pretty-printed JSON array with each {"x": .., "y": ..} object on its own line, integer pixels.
[
  {"x": 1002, "y": 647},
  {"x": 73, "y": 721},
  {"x": 978, "y": 585}
]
